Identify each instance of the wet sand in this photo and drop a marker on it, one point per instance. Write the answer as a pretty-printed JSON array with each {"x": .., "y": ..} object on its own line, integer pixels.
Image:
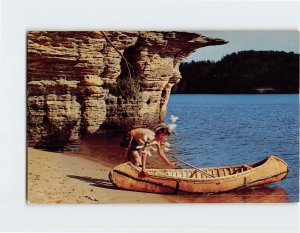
[{"x": 82, "y": 177}]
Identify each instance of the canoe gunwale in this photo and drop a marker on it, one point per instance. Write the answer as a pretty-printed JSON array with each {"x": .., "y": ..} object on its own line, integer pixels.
[{"x": 263, "y": 164}]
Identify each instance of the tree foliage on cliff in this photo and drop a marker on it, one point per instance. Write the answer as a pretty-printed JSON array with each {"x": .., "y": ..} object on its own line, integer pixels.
[
  {"x": 129, "y": 89},
  {"x": 242, "y": 72}
]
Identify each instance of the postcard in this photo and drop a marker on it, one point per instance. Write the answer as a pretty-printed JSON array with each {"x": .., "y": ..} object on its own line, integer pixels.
[{"x": 162, "y": 117}]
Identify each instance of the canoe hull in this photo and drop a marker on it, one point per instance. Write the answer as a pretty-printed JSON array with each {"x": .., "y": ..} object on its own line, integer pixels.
[{"x": 129, "y": 177}]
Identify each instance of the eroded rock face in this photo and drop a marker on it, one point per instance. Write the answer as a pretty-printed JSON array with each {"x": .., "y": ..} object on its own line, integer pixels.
[{"x": 72, "y": 79}]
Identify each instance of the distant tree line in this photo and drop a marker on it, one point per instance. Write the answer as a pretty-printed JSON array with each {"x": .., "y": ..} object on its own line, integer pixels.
[{"x": 242, "y": 72}]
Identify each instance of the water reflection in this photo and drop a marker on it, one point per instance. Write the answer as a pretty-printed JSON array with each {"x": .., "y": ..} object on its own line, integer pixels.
[
  {"x": 104, "y": 148},
  {"x": 247, "y": 195}
]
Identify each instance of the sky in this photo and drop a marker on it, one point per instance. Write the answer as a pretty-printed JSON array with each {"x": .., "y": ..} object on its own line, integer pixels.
[{"x": 287, "y": 41}]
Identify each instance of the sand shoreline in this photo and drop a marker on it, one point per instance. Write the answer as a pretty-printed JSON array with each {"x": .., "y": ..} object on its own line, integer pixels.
[
  {"x": 68, "y": 178},
  {"x": 56, "y": 178}
]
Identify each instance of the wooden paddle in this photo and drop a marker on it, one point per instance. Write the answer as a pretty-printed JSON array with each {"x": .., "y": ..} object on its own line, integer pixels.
[{"x": 203, "y": 172}]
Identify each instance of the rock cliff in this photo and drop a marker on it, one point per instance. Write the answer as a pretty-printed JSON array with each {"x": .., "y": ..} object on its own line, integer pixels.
[{"x": 77, "y": 81}]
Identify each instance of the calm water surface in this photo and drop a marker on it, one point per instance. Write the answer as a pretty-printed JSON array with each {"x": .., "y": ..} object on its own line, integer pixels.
[{"x": 215, "y": 130}]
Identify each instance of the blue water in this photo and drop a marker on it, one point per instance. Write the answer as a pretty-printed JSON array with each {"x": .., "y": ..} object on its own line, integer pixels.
[{"x": 215, "y": 130}]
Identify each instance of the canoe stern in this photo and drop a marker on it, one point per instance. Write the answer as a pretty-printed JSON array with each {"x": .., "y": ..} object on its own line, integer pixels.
[{"x": 273, "y": 171}]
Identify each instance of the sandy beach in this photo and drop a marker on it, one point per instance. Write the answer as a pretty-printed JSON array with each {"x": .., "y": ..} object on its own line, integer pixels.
[
  {"x": 55, "y": 178},
  {"x": 79, "y": 177}
]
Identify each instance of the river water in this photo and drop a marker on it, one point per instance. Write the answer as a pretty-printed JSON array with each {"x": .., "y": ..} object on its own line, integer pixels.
[{"x": 215, "y": 130}]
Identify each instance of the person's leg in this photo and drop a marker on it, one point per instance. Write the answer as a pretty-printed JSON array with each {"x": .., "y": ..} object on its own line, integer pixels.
[
  {"x": 136, "y": 158},
  {"x": 144, "y": 158}
]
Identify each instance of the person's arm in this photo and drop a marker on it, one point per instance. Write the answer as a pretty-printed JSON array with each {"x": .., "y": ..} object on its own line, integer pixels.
[{"x": 163, "y": 156}]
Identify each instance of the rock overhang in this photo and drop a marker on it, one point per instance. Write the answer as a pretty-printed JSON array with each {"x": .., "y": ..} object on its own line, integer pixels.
[{"x": 72, "y": 77}]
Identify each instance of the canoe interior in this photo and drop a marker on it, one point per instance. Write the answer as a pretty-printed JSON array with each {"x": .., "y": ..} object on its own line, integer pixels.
[{"x": 217, "y": 172}]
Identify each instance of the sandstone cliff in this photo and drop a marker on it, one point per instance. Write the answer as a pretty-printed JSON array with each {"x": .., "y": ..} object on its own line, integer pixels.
[{"x": 76, "y": 81}]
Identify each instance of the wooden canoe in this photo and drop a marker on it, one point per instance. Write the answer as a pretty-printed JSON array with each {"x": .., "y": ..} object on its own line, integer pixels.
[{"x": 183, "y": 181}]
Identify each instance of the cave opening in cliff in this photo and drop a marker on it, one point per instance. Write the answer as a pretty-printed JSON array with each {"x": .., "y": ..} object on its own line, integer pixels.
[
  {"x": 127, "y": 66},
  {"x": 128, "y": 85}
]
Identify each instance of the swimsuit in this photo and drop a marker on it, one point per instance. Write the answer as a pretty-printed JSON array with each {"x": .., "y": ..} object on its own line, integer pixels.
[{"x": 126, "y": 140}]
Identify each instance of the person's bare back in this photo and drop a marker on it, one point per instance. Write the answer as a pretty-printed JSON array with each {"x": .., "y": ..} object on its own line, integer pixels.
[{"x": 138, "y": 133}]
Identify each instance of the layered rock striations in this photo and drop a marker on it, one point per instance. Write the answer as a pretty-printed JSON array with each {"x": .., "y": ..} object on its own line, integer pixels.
[{"x": 75, "y": 80}]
